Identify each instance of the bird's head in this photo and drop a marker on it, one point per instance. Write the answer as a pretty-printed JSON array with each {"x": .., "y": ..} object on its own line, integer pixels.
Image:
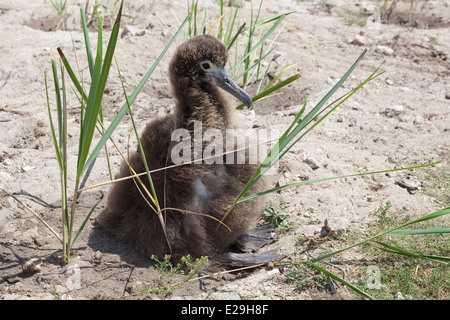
[{"x": 202, "y": 60}]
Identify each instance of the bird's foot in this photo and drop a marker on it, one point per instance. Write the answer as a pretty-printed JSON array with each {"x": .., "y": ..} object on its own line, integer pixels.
[
  {"x": 251, "y": 241},
  {"x": 255, "y": 238}
]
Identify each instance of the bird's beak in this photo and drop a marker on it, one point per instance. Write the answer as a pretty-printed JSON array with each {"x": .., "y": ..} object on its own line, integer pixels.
[{"x": 224, "y": 81}]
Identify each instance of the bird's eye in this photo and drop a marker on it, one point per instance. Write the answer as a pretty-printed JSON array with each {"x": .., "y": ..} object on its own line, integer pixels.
[{"x": 206, "y": 65}]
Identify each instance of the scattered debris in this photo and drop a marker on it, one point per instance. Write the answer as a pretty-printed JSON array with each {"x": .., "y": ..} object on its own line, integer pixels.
[
  {"x": 334, "y": 226},
  {"x": 409, "y": 188}
]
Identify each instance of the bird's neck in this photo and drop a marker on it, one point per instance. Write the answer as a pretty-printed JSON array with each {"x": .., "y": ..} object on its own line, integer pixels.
[{"x": 205, "y": 104}]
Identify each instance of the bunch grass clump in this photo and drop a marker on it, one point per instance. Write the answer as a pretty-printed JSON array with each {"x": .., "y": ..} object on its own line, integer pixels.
[{"x": 91, "y": 119}]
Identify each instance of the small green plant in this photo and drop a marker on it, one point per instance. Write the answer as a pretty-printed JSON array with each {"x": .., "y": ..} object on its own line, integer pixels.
[
  {"x": 167, "y": 272},
  {"x": 111, "y": 9},
  {"x": 306, "y": 278},
  {"x": 353, "y": 19},
  {"x": 382, "y": 212},
  {"x": 54, "y": 292},
  {"x": 277, "y": 217},
  {"x": 60, "y": 7}
]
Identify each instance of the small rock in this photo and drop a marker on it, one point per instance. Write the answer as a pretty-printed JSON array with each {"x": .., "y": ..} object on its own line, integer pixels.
[
  {"x": 132, "y": 31},
  {"x": 385, "y": 50},
  {"x": 32, "y": 266},
  {"x": 397, "y": 109},
  {"x": 98, "y": 257},
  {"x": 358, "y": 40},
  {"x": 399, "y": 296},
  {"x": 447, "y": 96},
  {"x": 389, "y": 81},
  {"x": 272, "y": 273},
  {"x": 418, "y": 120},
  {"x": 313, "y": 163},
  {"x": 7, "y": 162},
  {"x": 27, "y": 168}
]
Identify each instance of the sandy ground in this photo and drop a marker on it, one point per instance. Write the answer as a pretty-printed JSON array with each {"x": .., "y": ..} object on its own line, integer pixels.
[{"x": 401, "y": 118}]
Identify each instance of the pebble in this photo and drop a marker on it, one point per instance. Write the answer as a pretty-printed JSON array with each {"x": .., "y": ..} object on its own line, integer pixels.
[
  {"x": 389, "y": 81},
  {"x": 27, "y": 168},
  {"x": 358, "y": 40},
  {"x": 32, "y": 266},
  {"x": 384, "y": 50},
  {"x": 418, "y": 120},
  {"x": 313, "y": 163},
  {"x": 397, "y": 109},
  {"x": 399, "y": 296},
  {"x": 98, "y": 257}
]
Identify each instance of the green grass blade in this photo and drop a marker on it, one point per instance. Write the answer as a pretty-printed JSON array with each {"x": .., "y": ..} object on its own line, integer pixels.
[
  {"x": 86, "y": 219},
  {"x": 63, "y": 141},
  {"x": 301, "y": 183},
  {"x": 281, "y": 147},
  {"x": 87, "y": 42},
  {"x": 93, "y": 105},
  {"x": 72, "y": 74},
  {"x": 59, "y": 107},
  {"x": 230, "y": 43},
  {"x": 294, "y": 122},
  {"x": 132, "y": 97},
  {"x": 52, "y": 128},
  {"x": 418, "y": 231},
  {"x": 141, "y": 148},
  {"x": 272, "y": 89},
  {"x": 433, "y": 215},
  {"x": 262, "y": 22},
  {"x": 256, "y": 63},
  {"x": 219, "y": 36},
  {"x": 251, "y": 49},
  {"x": 339, "y": 279},
  {"x": 278, "y": 76},
  {"x": 230, "y": 28},
  {"x": 92, "y": 110},
  {"x": 312, "y": 114},
  {"x": 403, "y": 252}
]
